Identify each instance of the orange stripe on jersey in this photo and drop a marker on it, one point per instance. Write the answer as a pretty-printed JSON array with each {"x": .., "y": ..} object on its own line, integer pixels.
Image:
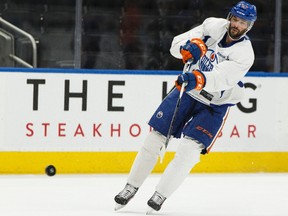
[{"x": 215, "y": 138}]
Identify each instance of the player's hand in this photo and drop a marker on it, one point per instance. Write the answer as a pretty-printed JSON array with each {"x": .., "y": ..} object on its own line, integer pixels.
[
  {"x": 193, "y": 50},
  {"x": 195, "y": 80}
]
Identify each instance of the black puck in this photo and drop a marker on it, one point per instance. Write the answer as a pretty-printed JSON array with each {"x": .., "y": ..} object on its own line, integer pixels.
[{"x": 50, "y": 170}]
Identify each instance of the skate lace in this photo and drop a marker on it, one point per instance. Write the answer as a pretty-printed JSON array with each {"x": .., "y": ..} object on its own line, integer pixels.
[
  {"x": 128, "y": 191},
  {"x": 158, "y": 198}
]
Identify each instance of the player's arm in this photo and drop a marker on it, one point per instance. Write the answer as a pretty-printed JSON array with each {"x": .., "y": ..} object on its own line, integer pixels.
[
  {"x": 193, "y": 50},
  {"x": 224, "y": 76},
  {"x": 180, "y": 40},
  {"x": 207, "y": 28}
]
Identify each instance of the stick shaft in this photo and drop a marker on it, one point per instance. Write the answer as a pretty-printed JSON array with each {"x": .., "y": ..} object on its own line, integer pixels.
[{"x": 185, "y": 69}]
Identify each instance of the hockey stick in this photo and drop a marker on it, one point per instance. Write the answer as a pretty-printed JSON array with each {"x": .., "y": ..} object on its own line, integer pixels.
[{"x": 164, "y": 147}]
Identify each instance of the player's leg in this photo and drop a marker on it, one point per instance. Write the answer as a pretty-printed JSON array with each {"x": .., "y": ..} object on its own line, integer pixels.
[
  {"x": 186, "y": 157},
  {"x": 143, "y": 165},
  {"x": 199, "y": 133},
  {"x": 148, "y": 154},
  {"x": 146, "y": 158}
]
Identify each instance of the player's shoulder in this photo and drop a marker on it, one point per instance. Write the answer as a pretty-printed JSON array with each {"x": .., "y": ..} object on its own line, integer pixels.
[
  {"x": 215, "y": 27},
  {"x": 215, "y": 22}
]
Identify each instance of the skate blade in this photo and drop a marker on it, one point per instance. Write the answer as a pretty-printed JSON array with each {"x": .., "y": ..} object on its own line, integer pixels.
[
  {"x": 118, "y": 206},
  {"x": 149, "y": 211}
]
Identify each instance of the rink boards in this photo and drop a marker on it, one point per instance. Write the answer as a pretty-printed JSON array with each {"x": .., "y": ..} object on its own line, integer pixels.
[{"x": 94, "y": 121}]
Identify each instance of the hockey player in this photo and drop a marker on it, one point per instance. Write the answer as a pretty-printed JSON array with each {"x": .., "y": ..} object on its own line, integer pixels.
[{"x": 221, "y": 54}]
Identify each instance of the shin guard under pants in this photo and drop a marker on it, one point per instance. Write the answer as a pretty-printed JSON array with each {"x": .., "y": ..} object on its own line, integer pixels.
[
  {"x": 186, "y": 157},
  {"x": 146, "y": 159}
]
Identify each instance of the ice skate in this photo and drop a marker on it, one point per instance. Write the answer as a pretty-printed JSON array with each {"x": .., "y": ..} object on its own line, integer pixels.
[
  {"x": 155, "y": 202},
  {"x": 124, "y": 196}
]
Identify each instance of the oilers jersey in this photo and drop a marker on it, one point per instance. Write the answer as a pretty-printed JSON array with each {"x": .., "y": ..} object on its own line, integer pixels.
[{"x": 224, "y": 65}]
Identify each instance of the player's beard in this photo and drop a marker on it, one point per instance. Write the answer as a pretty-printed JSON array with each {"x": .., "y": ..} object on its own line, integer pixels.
[{"x": 234, "y": 33}]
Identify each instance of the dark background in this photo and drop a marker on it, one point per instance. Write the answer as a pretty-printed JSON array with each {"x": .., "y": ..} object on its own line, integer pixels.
[{"x": 129, "y": 34}]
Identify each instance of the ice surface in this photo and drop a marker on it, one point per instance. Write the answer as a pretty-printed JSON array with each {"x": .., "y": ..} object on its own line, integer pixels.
[{"x": 199, "y": 195}]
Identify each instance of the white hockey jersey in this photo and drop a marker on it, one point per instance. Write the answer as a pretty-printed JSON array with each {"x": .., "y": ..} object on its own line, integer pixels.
[{"x": 223, "y": 66}]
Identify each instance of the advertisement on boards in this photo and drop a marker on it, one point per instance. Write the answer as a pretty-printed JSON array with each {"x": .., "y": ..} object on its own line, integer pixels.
[{"x": 109, "y": 112}]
